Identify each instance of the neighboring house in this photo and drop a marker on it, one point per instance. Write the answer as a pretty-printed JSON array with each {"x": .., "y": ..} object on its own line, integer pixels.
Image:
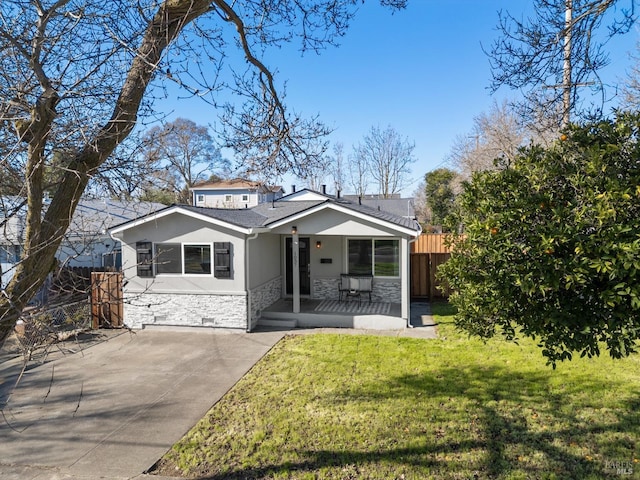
[
  {"x": 235, "y": 193},
  {"x": 403, "y": 207},
  {"x": 192, "y": 266},
  {"x": 86, "y": 243},
  {"x": 12, "y": 222}
]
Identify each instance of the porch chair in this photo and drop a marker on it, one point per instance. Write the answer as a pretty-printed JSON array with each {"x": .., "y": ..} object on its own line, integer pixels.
[{"x": 355, "y": 286}]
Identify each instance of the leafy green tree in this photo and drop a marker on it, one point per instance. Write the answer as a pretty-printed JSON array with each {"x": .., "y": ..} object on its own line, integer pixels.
[
  {"x": 440, "y": 194},
  {"x": 551, "y": 245}
]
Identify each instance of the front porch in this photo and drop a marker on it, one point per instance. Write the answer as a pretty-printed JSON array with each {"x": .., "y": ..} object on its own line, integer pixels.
[{"x": 333, "y": 313}]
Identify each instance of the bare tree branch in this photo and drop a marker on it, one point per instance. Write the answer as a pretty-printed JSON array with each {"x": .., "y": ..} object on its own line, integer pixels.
[
  {"x": 553, "y": 56},
  {"x": 76, "y": 78}
]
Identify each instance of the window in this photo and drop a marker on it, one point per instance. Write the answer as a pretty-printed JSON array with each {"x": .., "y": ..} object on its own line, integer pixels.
[
  {"x": 168, "y": 258},
  {"x": 228, "y": 198},
  {"x": 9, "y": 253},
  {"x": 245, "y": 198},
  {"x": 197, "y": 259},
  {"x": 200, "y": 198},
  {"x": 374, "y": 256},
  {"x": 113, "y": 259},
  {"x": 360, "y": 260},
  {"x": 386, "y": 258},
  {"x": 183, "y": 259},
  {"x": 175, "y": 258}
]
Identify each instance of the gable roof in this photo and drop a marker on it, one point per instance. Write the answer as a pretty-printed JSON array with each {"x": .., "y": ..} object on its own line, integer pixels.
[
  {"x": 92, "y": 217},
  {"x": 403, "y": 207},
  {"x": 273, "y": 214},
  {"x": 96, "y": 216}
]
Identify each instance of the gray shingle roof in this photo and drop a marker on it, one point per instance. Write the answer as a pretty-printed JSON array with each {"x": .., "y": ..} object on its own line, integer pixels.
[
  {"x": 259, "y": 216},
  {"x": 96, "y": 216},
  {"x": 266, "y": 214},
  {"x": 91, "y": 217},
  {"x": 242, "y": 217},
  {"x": 402, "y": 207},
  {"x": 279, "y": 210},
  {"x": 380, "y": 214}
]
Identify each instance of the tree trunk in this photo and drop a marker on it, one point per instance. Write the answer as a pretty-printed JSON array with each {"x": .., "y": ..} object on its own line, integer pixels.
[{"x": 43, "y": 235}]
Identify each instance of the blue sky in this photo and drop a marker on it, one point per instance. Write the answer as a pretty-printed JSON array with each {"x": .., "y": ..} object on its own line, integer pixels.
[{"x": 421, "y": 70}]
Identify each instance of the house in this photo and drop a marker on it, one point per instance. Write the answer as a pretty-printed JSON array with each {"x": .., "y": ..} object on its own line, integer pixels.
[
  {"x": 403, "y": 207},
  {"x": 12, "y": 222},
  {"x": 86, "y": 243},
  {"x": 193, "y": 266},
  {"x": 234, "y": 193}
]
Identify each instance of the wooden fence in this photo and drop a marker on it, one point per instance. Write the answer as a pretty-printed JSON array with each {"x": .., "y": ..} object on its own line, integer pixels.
[
  {"x": 106, "y": 300},
  {"x": 428, "y": 252},
  {"x": 430, "y": 243},
  {"x": 424, "y": 267}
]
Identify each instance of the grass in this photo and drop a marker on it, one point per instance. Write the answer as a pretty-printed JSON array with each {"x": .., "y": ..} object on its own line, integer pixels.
[{"x": 343, "y": 406}]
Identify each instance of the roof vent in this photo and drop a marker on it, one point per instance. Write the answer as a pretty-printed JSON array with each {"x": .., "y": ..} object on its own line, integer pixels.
[
  {"x": 324, "y": 189},
  {"x": 293, "y": 189}
]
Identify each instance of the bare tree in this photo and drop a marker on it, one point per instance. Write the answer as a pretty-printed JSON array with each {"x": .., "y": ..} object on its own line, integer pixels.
[
  {"x": 630, "y": 99},
  {"x": 420, "y": 206},
  {"x": 75, "y": 78},
  {"x": 125, "y": 173},
  {"x": 181, "y": 153},
  {"x": 316, "y": 176},
  {"x": 359, "y": 173},
  {"x": 494, "y": 140},
  {"x": 338, "y": 168},
  {"x": 558, "y": 52},
  {"x": 388, "y": 156}
]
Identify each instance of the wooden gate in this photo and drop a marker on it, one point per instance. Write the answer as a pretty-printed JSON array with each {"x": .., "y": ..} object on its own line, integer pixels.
[
  {"x": 424, "y": 283},
  {"x": 106, "y": 300},
  {"x": 420, "y": 278}
]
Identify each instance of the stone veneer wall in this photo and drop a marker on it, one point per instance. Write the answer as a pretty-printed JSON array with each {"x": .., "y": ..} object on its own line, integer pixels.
[
  {"x": 325, "y": 288},
  {"x": 186, "y": 310},
  {"x": 386, "y": 291},
  {"x": 263, "y": 296},
  {"x": 383, "y": 290}
]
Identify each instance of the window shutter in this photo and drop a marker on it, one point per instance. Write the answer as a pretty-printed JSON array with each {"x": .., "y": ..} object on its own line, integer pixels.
[
  {"x": 222, "y": 260},
  {"x": 144, "y": 259}
]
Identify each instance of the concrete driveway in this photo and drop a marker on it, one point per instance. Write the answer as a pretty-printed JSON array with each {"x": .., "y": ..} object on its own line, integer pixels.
[{"x": 114, "y": 408}]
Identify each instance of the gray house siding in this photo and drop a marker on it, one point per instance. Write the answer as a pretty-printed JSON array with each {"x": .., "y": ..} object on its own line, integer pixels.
[
  {"x": 254, "y": 246},
  {"x": 265, "y": 280},
  {"x": 184, "y": 300}
]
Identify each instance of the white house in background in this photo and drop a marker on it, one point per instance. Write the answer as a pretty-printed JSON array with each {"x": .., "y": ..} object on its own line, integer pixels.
[
  {"x": 207, "y": 267},
  {"x": 12, "y": 223},
  {"x": 86, "y": 243},
  {"x": 234, "y": 193}
]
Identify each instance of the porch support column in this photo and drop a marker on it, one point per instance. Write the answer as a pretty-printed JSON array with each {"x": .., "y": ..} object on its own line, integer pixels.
[
  {"x": 405, "y": 279},
  {"x": 295, "y": 271}
]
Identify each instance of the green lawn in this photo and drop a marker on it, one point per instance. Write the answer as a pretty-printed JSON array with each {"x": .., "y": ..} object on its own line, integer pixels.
[{"x": 347, "y": 407}]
